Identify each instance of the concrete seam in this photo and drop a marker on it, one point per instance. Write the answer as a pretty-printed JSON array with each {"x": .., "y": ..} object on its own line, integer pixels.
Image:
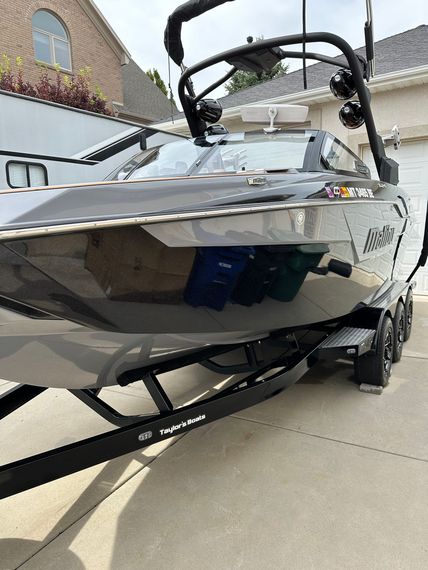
[
  {"x": 332, "y": 439},
  {"x": 179, "y": 438}
]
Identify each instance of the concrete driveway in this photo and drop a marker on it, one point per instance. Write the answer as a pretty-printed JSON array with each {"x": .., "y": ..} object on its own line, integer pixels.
[{"x": 322, "y": 476}]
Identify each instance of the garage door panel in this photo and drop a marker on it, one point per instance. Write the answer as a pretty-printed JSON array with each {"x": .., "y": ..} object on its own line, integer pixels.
[
  {"x": 410, "y": 151},
  {"x": 411, "y": 176},
  {"x": 413, "y": 160}
]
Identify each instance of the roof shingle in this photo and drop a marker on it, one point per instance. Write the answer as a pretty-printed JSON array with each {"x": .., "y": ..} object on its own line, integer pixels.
[
  {"x": 402, "y": 51},
  {"x": 141, "y": 97}
]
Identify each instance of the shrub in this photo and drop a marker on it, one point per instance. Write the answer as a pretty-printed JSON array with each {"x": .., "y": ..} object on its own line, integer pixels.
[{"x": 73, "y": 91}]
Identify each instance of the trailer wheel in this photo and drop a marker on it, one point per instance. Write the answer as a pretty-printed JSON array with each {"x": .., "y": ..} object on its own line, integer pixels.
[
  {"x": 408, "y": 309},
  {"x": 375, "y": 368},
  {"x": 399, "y": 330}
]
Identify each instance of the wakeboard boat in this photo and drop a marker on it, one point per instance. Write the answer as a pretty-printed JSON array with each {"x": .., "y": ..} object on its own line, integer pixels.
[
  {"x": 217, "y": 239},
  {"x": 277, "y": 243}
]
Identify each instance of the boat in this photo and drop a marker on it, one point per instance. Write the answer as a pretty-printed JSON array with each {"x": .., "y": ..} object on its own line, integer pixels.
[
  {"x": 214, "y": 240},
  {"x": 255, "y": 254}
]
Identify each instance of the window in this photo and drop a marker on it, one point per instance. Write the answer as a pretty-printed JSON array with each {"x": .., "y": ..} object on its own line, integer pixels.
[
  {"x": 335, "y": 156},
  {"x": 172, "y": 159},
  {"x": 257, "y": 151},
  {"x": 285, "y": 150},
  {"x": 26, "y": 174},
  {"x": 122, "y": 172},
  {"x": 51, "y": 43}
]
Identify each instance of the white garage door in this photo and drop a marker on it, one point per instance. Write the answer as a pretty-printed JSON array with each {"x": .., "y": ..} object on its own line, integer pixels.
[{"x": 413, "y": 160}]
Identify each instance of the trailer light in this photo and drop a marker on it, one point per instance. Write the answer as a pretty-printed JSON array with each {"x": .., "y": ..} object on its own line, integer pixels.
[
  {"x": 209, "y": 110},
  {"x": 351, "y": 115},
  {"x": 342, "y": 84}
]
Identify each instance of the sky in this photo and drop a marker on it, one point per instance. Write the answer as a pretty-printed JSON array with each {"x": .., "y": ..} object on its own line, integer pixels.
[{"x": 140, "y": 25}]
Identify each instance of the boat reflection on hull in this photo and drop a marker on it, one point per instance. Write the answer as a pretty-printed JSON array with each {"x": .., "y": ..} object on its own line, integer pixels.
[
  {"x": 131, "y": 280},
  {"x": 61, "y": 354}
]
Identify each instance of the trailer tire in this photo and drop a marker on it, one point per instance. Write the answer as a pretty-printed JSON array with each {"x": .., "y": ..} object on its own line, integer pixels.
[
  {"x": 408, "y": 309},
  {"x": 375, "y": 368},
  {"x": 399, "y": 331}
]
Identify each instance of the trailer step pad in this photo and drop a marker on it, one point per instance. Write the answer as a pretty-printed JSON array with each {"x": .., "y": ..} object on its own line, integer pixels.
[
  {"x": 370, "y": 389},
  {"x": 353, "y": 341}
]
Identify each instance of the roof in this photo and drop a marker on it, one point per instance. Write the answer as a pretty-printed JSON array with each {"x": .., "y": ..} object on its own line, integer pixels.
[
  {"x": 102, "y": 25},
  {"x": 400, "y": 52},
  {"x": 142, "y": 99}
]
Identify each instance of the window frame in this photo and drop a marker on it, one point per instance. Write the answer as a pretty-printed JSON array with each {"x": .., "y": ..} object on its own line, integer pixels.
[
  {"x": 52, "y": 37},
  {"x": 27, "y": 170},
  {"x": 355, "y": 172}
]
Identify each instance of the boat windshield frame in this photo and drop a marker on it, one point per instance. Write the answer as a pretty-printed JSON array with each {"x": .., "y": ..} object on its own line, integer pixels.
[
  {"x": 387, "y": 169},
  {"x": 312, "y": 158}
]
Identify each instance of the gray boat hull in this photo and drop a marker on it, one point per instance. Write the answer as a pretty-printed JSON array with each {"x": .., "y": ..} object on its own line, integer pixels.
[{"x": 100, "y": 296}]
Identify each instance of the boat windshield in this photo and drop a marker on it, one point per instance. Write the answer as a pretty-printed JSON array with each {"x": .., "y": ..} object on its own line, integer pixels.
[
  {"x": 258, "y": 151},
  {"x": 172, "y": 159},
  {"x": 238, "y": 152}
]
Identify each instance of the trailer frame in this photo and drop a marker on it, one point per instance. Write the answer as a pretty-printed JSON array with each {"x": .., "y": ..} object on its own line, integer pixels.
[{"x": 354, "y": 337}]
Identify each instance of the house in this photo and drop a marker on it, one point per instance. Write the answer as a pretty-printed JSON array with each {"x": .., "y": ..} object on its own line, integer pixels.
[
  {"x": 399, "y": 96},
  {"x": 73, "y": 34},
  {"x": 143, "y": 101},
  {"x": 44, "y": 142}
]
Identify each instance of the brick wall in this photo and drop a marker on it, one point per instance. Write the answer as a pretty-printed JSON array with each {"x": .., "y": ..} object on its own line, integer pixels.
[{"x": 88, "y": 47}]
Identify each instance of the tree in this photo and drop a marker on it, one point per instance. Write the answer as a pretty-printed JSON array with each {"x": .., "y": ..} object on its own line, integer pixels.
[
  {"x": 159, "y": 82},
  {"x": 244, "y": 79}
]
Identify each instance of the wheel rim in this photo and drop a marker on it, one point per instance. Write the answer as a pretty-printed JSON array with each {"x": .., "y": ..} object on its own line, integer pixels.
[
  {"x": 410, "y": 315},
  {"x": 387, "y": 352},
  {"x": 400, "y": 332}
]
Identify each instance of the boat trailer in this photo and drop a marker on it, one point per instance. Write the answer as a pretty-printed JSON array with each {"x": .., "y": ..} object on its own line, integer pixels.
[{"x": 372, "y": 336}]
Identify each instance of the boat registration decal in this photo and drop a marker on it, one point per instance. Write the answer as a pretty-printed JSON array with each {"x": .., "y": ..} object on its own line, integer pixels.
[{"x": 348, "y": 192}]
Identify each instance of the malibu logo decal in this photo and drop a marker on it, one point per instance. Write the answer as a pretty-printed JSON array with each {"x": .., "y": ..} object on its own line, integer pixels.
[{"x": 378, "y": 239}]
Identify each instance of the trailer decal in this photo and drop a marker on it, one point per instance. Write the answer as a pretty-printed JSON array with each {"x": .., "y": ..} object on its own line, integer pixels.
[{"x": 181, "y": 425}]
